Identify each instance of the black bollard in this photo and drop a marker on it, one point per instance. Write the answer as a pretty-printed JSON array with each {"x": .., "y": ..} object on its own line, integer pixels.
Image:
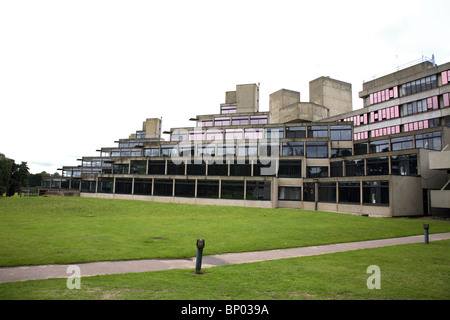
[
  {"x": 198, "y": 261},
  {"x": 426, "y": 226}
]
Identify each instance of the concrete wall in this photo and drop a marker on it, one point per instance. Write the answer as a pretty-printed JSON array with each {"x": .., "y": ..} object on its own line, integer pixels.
[
  {"x": 333, "y": 94},
  {"x": 406, "y": 196},
  {"x": 247, "y": 98},
  {"x": 199, "y": 201}
]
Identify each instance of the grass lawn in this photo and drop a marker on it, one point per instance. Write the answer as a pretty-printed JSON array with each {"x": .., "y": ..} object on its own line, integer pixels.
[
  {"x": 407, "y": 272},
  {"x": 72, "y": 230}
]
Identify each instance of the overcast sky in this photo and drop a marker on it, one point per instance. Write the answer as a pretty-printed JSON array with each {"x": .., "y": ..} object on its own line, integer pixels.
[{"x": 76, "y": 76}]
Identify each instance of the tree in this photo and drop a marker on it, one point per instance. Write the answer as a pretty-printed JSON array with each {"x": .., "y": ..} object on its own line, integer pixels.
[{"x": 5, "y": 173}]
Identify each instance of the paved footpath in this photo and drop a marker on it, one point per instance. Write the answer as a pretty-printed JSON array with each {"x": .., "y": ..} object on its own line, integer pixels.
[{"x": 22, "y": 273}]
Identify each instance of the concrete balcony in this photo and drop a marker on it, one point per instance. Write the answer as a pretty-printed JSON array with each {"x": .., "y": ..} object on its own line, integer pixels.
[
  {"x": 440, "y": 198},
  {"x": 440, "y": 160}
]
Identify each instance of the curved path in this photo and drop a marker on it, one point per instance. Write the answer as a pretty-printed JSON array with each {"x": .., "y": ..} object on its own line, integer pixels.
[{"x": 23, "y": 273}]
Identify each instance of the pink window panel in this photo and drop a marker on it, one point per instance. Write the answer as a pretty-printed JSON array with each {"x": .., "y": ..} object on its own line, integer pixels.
[
  {"x": 358, "y": 120},
  {"x": 395, "y": 92},
  {"x": 366, "y": 134},
  {"x": 379, "y": 96},
  {"x": 430, "y": 103},
  {"x": 380, "y": 115},
  {"x": 416, "y": 125},
  {"x": 397, "y": 129},
  {"x": 387, "y": 94},
  {"x": 425, "y": 124},
  {"x": 383, "y": 96},
  {"x": 355, "y": 136},
  {"x": 435, "y": 102},
  {"x": 384, "y": 131},
  {"x": 411, "y": 126},
  {"x": 446, "y": 100},
  {"x": 365, "y": 114},
  {"x": 420, "y": 125},
  {"x": 372, "y": 117},
  {"x": 389, "y": 130},
  {"x": 444, "y": 77},
  {"x": 397, "y": 113},
  {"x": 391, "y": 93},
  {"x": 383, "y": 113},
  {"x": 371, "y": 98},
  {"x": 405, "y": 128}
]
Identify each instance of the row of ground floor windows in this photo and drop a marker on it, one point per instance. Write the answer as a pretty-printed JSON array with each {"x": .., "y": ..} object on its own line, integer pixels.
[
  {"x": 371, "y": 192},
  {"x": 354, "y": 192},
  {"x": 249, "y": 190}
]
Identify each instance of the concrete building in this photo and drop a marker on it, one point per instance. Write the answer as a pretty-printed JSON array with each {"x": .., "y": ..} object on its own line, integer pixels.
[{"x": 384, "y": 159}]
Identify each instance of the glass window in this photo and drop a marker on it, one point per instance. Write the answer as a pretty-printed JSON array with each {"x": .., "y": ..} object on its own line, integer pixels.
[
  {"x": 309, "y": 191},
  {"x": 379, "y": 146},
  {"x": 217, "y": 169},
  {"x": 318, "y": 132},
  {"x": 196, "y": 135},
  {"x": 316, "y": 172},
  {"x": 163, "y": 187},
  {"x": 402, "y": 143},
  {"x": 175, "y": 169},
  {"x": 156, "y": 167},
  {"x": 290, "y": 193},
  {"x": 341, "y": 152},
  {"x": 248, "y": 149},
  {"x": 234, "y": 134},
  {"x": 138, "y": 167},
  {"x": 404, "y": 165},
  {"x": 361, "y": 148},
  {"x": 430, "y": 140},
  {"x": 376, "y": 192},
  {"x": 88, "y": 186},
  {"x": 123, "y": 185},
  {"x": 269, "y": 149},
  {"x": 264, "y": 168},
  {"x": 377, "y": 166},
  {"x": 206, "y": 150},
  {"x": 354, "y": 167},
  {"x": 341, "y": 133},
  {"x": 258, "y": 190},
  {"x": 224, "y": 149},
  {"x": 120, "y": 169},
  {"x": 227, "y": 109},
  {"x": 243, "y": 170},
  {"x": 105, "y": 185},
  {"x": 253, "y": 133},
  {"x": 336, "y": 169},
  {"x": 169, "y": 150},
  {"x": 327, "y": 191},
  {"x": 317, "y": 149},
  {"x": 143, "y": 187},
  {"x": 295, "y": 132},
  {"x": 222, "y": 121},
  {"x": 349, "y": 192},
  {"x": 196, "y": 169},
  {"x": 274, "y": 133},
  {"x": 214, "y": 134},
  {"x": 258, "y": 119},
  {"x": 186, "y": 150},
  {"x": 239, "y": 121},
  {"x": 232, "y": 189},
  {"x": 152, "y": 152},
  {"x": 290, "y": 169},
  {"x": 208, "y": 188},
  {"x": 184, "y": 188},
  {"x": 293, "y": 148}
]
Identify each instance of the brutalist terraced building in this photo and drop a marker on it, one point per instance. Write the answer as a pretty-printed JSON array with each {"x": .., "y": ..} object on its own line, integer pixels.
[{"x": 389, "y": 158}]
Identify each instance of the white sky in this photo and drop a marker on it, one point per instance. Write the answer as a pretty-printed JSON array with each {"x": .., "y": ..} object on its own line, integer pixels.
[{"x": 78, "y": 75}]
